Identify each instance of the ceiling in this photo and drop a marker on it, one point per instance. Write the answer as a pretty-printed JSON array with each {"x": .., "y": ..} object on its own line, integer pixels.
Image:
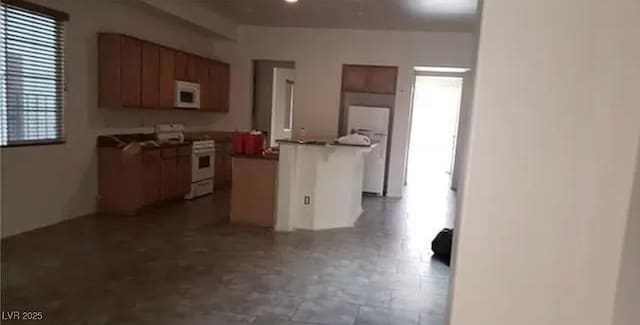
[{"x": 416, "y": 15}]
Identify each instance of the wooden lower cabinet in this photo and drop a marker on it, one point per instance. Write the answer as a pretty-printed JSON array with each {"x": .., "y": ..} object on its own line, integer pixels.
[
  {"x": 169, "y": 179},
  {"x": 254, "y": 192},
  {"x": 128, "y": 182},
  {"x": 151, "y": 176},
  {"x": 184, "y": 174},
  {"x": 222, "y": 167}
]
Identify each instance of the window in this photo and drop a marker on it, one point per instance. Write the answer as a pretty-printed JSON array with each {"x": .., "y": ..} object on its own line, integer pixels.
[{"x": 31, "y": 74}]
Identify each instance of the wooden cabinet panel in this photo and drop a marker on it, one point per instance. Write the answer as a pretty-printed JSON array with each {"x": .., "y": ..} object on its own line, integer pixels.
[
  {"x": 370, "y": 79},
  {"x": 131, "y": 56},
  {"x": 109, "y": 70},
  {"x": 354, "y": 78},
  {"x": 169, "y": 153},
  {"x": 169, "y": 178},
  {"x": 150, "y": 74},
  {"x": 119, "y": 186},
  {"x": 206, "y": 95},
  {"x": 135, "y": 73},
  {"x": 192, "y": 68},
  {"x": 219, "y": 77},
  {"x": 223, "y": 91},
  {"x": 166, "y": 82},
  {"x": 184, "y": 175},
  {"x": 180, "y": 66},
  {"x": 382, "y": 80},
  {"x": 223, "y": 164},
  {"x": 151, "y": 176},
  {"x": 254, "y": 192},
  {"x": 184, "y": 151}
]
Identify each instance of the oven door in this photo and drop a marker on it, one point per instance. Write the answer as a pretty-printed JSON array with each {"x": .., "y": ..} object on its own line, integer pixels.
[{"x": 203, "y": 165}]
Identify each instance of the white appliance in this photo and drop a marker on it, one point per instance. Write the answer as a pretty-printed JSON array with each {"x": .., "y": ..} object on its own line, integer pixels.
[
  {"x": 169, "y": 133},
  {"x": 187, "y": 94},
  {"x": 202, "y": 168},
  {"x": 374, "y": 123}
]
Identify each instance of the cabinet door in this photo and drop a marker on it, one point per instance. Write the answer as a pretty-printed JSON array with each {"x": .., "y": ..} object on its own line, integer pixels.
[
  {"x": 228, "y": 162},
  {"x": 225, "y": 87},
  {"x": 180, "y": 66},
  {"x": 192, "y": 68},
  {"x": 131, "y": 51},
  {"x": 166, "y": 86},
  {"x": 382, "y": 80},
  {"x": 150, "y": 74},
  {"x": 109, "y": 70},
  {"x": 184, "y": 175},
  {"x": 151, "y": 176},
  {"x": 354, "y": 78},
  {"x": 206, "y": 97},
  {"x": 220, "y": 165},
  {"x": 169, "y": 182},
  {"x": 220, "y": 75}
]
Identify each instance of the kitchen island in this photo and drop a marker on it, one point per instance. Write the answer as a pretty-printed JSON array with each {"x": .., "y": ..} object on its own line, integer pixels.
[{"x": 319, "y": 184}]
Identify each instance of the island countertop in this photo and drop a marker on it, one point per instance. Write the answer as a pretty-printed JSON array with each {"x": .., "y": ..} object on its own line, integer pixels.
[{"x": 324, "y": 142}]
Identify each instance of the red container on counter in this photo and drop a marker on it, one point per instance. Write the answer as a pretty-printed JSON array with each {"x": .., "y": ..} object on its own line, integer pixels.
[
  {"x": 237, "y": 141},
  {"x": 253, "y": 143}
]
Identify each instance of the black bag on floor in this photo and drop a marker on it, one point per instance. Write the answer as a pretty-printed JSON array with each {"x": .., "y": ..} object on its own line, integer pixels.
[{"x": 441, "y": 245}]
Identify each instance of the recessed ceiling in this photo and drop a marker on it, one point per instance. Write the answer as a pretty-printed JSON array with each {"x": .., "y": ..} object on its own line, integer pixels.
[{"x": 418, "y": 15}]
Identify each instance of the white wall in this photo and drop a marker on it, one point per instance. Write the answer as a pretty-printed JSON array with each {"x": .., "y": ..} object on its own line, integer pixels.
[
  {"x": 554, "y": 134},
  {"x": 279, "y": 106},
  {"x": 319, "y": 55},
  {"x": 43, "y": 185},
  {"x": 198, "y": 16}
]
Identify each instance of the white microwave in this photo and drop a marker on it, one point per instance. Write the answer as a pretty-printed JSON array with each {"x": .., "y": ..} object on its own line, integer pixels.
[{"x": 187, "y": 94}]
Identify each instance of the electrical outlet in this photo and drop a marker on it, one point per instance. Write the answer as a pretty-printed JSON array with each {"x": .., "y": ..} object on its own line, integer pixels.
[{"x": 307, "y": 200}]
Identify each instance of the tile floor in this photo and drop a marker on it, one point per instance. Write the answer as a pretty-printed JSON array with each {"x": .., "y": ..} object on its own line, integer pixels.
[{"x": 182, "y": 264}]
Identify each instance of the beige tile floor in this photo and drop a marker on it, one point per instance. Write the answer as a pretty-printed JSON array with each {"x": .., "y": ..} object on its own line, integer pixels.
[{"x": 183, "y": 264}]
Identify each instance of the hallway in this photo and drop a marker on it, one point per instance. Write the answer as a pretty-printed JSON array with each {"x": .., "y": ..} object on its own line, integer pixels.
[{"x": 180, "y": 265}]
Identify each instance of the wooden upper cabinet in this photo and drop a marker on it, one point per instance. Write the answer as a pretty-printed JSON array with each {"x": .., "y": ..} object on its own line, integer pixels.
[
  {"x": 219, "y": 77},
  {"x": 206, "y": 96},
  {"x": 109, "y": 59},
  {"x": 150, "y": 74},
  {"x": 180, "y": 66},
  {"x": 354, "y": 78},
  {"x": 136, "y": 73},
  {"x": 370, "y": 79},
  {"x": 192, "y": 68},
  {"x": 382, "y": 80},
  {"x": 131, "y": 67},
  {"x": 166, "y": 83}
]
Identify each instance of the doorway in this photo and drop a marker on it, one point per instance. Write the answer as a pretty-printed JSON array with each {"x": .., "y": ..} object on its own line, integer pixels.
[
  {"x": 433, "y": 135},
  {"x": 434, "y": 129},
  {"x": 273, "y": 93}
]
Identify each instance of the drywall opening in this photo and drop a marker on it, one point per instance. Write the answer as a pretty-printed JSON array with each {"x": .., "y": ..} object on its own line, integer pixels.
[
  {"x": 434, "y": 130},
  {"x": 273, "y": 98}
]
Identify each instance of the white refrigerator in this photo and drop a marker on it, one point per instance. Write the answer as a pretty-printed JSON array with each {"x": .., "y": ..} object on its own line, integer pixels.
[{"x": 374, "y": 123}]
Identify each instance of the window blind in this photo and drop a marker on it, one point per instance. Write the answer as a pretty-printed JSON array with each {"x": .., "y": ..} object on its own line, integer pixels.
[{"x": 31, "y": 69}]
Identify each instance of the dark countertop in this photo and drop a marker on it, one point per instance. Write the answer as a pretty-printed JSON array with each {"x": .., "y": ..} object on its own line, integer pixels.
[
  {"x": 217, "y": 136},
  {"x": 323, "y": 142},
  {"x": 258, "y": 156},
  {"x": 108, "y": 141}
]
